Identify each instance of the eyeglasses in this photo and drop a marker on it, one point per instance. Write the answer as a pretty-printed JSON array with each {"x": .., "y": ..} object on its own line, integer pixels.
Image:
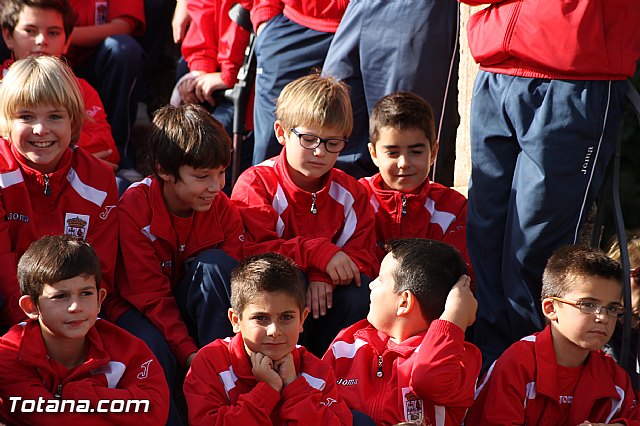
[
  {"x": 635, "y": 273},
  {"x": 613, "y": 311},
  {"x": 309, "y": 141}
]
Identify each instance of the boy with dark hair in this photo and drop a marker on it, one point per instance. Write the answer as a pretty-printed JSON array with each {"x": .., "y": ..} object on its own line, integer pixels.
[
  {"x": 47, "y": 186},
  {"x": 407, "y": 204},
  {"x": 67, "y": 358},
  {"x": 264, "y": 378},
  {"x": 408, "y": 360},
  {"x": 560, "y": 375},
  {"x": 43, "y": 27},
  {"x": 180, "y": 238},
  {"x": 298, "y": 205}
]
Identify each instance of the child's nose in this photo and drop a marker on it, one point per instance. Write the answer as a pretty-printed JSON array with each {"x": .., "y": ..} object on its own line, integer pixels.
[
  {"x": 39, "y": 129},
  {"x": 273, "y": 330},
  {"x": 402, "y": 161},
  {"x": 40, "y": 38}
]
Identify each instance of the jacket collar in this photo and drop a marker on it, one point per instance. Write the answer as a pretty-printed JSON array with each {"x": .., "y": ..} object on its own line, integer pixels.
[
  {"x": 56, "y": 178},
  {"x": 282, "y": 169},
  {"x": 381, "y": 343}
]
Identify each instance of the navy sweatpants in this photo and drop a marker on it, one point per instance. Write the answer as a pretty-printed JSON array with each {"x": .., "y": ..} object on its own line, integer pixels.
[
  {"x": 384, "y": 46},
  {"x": 539, "y": 151},
  {"x": 285, "y": 51}
]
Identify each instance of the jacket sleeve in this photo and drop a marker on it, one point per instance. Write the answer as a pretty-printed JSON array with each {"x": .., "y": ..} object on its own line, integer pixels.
[
  {"x": 233, "y": 41},
  {"x": 263, "y": 10},
  {"x": 501, "y": 394},
  {"x": 10, "y": 312},
  {"x": 208, "y": 403},
  {"x": 200, "y": 45},
  {"x": 95, "y": 135},
  {"x": 629, "y": 413},
  {"x": 233, "y": 228},
  {"x": 304, "y": 404},
  {"x": 456, "y": 235},
  {"x": 143, "y": 380},
  {"x": 143, "y": 283},
  {"x": 444, "y": 362},
  {"x": 261, "y": 220}
]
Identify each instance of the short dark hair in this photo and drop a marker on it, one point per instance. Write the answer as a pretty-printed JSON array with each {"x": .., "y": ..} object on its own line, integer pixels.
[
  {"x": 265, "y": 273},
  {"x": 56, "y": 258},
  {"x": 427, "y": 268},
  {"x": 402, "y": 111},
  {"x": 570, "y": 262},
  {"x": 187, "y": 135},
  {"x": 11, "y": 12}
]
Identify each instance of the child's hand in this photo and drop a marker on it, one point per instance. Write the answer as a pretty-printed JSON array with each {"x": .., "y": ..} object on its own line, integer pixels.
[
  {"x": 265, "y": 371},
  {"x": 460, "y": 307},
  {"x": 206, "y": 84},
  {"x": 189, "y": 360},
  {"x": 319, "y": 298},
  {"x": 343, "y": 270},
  {"x": 186, "y": 88},
  {"x": 286, "y": 369}
]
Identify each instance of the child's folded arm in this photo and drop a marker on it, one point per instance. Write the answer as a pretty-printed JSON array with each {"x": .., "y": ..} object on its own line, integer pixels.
[
  {"x": 231, "y": 221},
  {"x": 11, "y": 313}
]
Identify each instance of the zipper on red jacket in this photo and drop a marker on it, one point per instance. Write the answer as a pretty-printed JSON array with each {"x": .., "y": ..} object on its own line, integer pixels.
[
  {"x": 47, "y": 187},
  {"x": 379, "y": 373},
  {"x": 58, "y": 393},
  {"x": 404, "y": 205},
  {"x": 314, "y": 210}
]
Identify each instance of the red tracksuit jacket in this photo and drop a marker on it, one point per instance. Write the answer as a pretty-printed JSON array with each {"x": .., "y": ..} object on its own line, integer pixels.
[
  {"x": 436, "y": 212},
  {"x": 521, "y": 388},
  {"x": 152, "y": 262},
  {"x": 118, "y": 366},
  {"x": 95, "y": 135},
  {"x": 279, "y": 217},
  {"x": 82, "y": 202},
  {"x": 556, "y": 39},
  {"x": 428, "y": 378},
  {"x": 221, "y": 389},
  {"x": 318, "y": 15}
]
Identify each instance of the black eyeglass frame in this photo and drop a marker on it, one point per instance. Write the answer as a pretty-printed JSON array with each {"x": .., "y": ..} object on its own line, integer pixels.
[{"x": 318, "y": 141}]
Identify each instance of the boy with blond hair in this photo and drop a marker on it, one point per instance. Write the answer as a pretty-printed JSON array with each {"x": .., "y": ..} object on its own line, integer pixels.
[
  {"x": 298, "y": 205},
  {"x": 407, "y": 204},
  {"x": 74, "y": 365},
  {"x": 560, "y": 375},
  {"x": 261, "y": 376},
  {"x": 408, "y": 360},
  {"x": 47, "y": 186}
]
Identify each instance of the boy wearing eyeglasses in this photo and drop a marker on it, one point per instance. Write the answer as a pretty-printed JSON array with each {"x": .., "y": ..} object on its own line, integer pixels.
[
  {"x": 299, "y": 205},
  {"x": 560, "y": 375}
]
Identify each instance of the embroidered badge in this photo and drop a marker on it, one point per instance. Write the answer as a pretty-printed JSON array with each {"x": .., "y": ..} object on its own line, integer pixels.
[
  {"x": 76, "y": 225},
  {"x": 105, "y": 213},
  {"x": 413, "y": 407},
  {"x": 145, "y": 370}
]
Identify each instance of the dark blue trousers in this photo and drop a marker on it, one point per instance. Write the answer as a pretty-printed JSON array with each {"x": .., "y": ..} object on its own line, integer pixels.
[
  {"x": 113, "y": 71},
  {"x": 383, "y": 46},
  {"x": 539, "y": 151},
  {"x": 285, "y": 51}
]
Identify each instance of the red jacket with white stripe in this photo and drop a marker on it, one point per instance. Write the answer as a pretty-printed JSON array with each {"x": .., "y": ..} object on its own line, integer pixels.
[
  {"x": 82, "y": 202},
  {"x": 318, "y": 15},
  {"x": 436, "y": 212},
  {"x": 521, "y": 388},
  {"x": 429, "y": 377},
  {"x": 220, "y": 389},
  {"x": 117, "y": 366},
  {"x": 95, "y": 135},
  {"x": 310, "y": 228},
  {"x": 557, "y": 39},
  {"x": 152, "y": 262}
]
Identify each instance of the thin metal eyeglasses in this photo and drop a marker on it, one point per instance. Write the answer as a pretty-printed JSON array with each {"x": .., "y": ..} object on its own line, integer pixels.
[
  {"x": 613, "y": 311},
  {"x": 308, "y": 141}
]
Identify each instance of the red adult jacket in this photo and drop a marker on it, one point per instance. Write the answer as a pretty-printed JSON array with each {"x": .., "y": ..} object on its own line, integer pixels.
[
  {"x": 436, "y": 212},
  {"x": 98, "y": 12},
  {"x": 521, "y": 388},
  {"x": 95, "y": 135},
  {"x": 588, "y": 40},
  {"x": 220, "y": 389},
  {"x": 83, "y": 202},
  {"x": 118, "y": 366},
  {"x": 152, "y": 261},
  {"x": 318, "y": 15},
  {"x": 278, "y": 217},
  {"x": 429, "y": 377}
]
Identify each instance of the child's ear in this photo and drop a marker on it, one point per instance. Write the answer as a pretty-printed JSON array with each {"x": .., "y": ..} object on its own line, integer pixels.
[
  {"x": 162, "y": 174},
  {"x": 303, "y": 317},
  {"x": 372, "y": 153},
  {"x": 102, "y": 293},
  {"x": 8, "y": 38},
  {"x": 434, "y": 152},
  {"x": 406, "y": 303},
  {"x": 549, "y": 309},
  {"x": 29, "y": 307},
  {"x": 234, "y": 320},
  {"x": 280, "y": 132}
]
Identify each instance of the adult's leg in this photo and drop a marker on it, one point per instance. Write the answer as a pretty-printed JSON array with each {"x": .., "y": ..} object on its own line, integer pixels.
[{"x": 284, "y": 51}]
